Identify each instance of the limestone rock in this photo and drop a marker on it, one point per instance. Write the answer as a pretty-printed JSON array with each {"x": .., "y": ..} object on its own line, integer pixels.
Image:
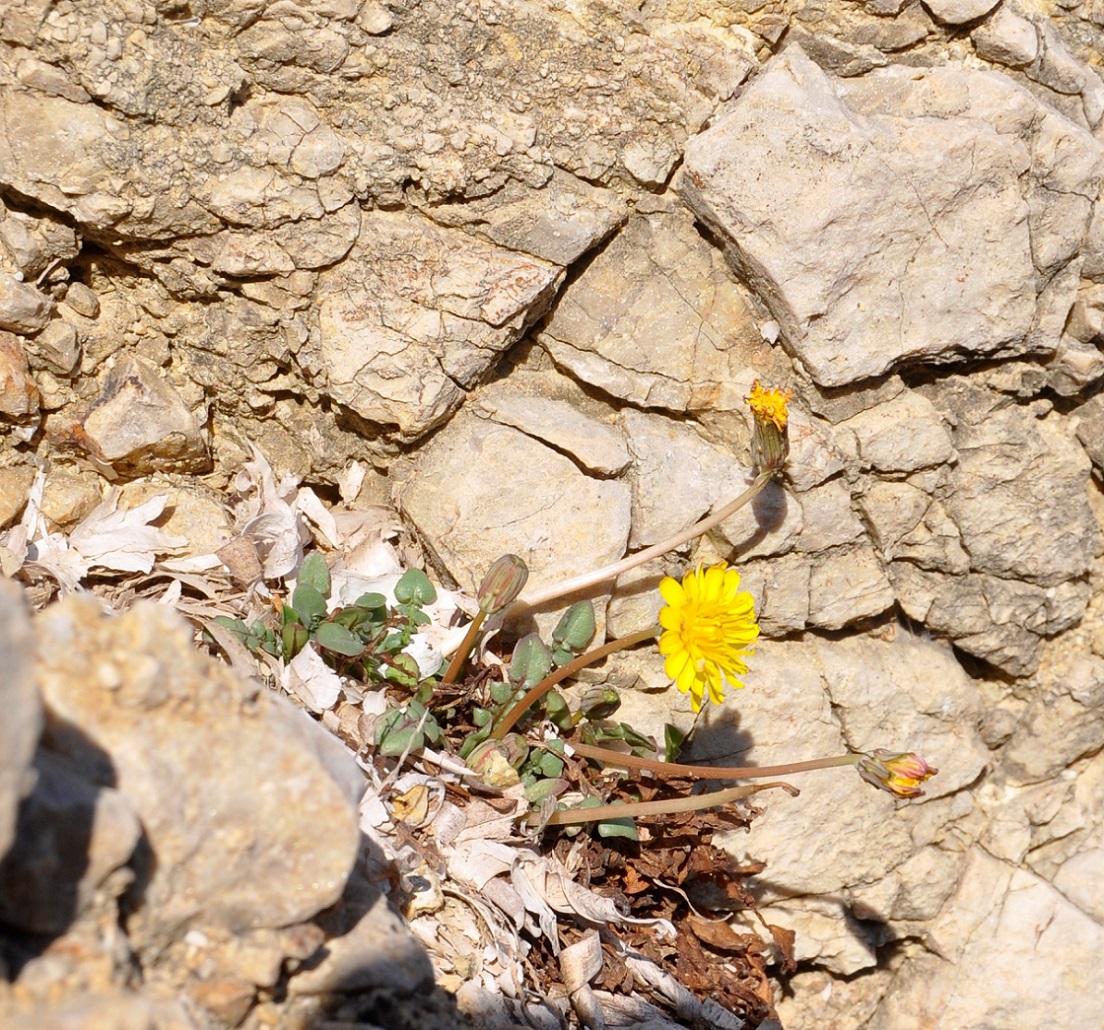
[
  {"x": 996, "y": 619},
  {"x": 15, "y": 482},
  {"x": 19, "y": 395},
  {"x": 1038, "y": 928},
  {"x": 418, "y": 313},
  {"x": 139, "y": 423},
  {"x": 71, "y": 836},
  {"x": 854, "y": 291},
  {"x": 817, "y": 698},
  {"x": 482, "y": 490},
  {"x": 597, "y": 446},
  {"x": 656, "y": 320},
  {"x": 1031, "y": 472},
  {"x": 34, "y": 243},
  {"x": 22, "y": 722},
  {"x": 902, "y": 435},
  {"x": 23, "y": 309},
  {"x": 559, "y": 222},
  {"x": 846, "y": 585},
  {"x": 959, "y": 12},
  {"x": 1060, "y": 725},
  {"x": 676, "y": 477},
  {"x": 198, "y": 753},
  {"x": 1007, "y": 38}
]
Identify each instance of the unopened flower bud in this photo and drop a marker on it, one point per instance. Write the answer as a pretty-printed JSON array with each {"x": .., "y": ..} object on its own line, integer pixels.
[
  {"x": 505, "y": 579},
  {"x": 900, "y": 773}
]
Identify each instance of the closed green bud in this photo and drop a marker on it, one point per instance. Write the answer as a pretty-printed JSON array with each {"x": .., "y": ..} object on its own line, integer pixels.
[
  {"x": 599, "y": 702},
  {"x": 505, "y": 579}
]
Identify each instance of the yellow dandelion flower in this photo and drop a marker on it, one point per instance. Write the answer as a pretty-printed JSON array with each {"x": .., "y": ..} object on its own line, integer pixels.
[
  {"x": 708, "y": 628},
  {"x": 769, "y": 405}
]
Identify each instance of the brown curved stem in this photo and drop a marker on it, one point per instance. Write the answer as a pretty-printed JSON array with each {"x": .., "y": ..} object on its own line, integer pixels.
[
  {"x": 464, "y": 649},
  {"x": 588, "y": 579},
  {"x": 509, "y": 720},
  {"x": 711, "y": 772},
  {"x": 634, "y": 809}
]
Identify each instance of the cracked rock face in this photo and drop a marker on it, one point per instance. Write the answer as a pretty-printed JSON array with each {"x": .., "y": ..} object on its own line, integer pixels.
[{"x": 527, "y": 261}]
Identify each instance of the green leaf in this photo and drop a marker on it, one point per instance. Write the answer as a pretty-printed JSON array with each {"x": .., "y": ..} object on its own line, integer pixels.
[
  {"x": 502, "y": 692},
  {"x": 313, "y": 573},
  {"x": 336, "y": 638},
  {"x": 236, "y": 626},
  {"x": 294, "y": 637},
  {"x": 309, "y": 603},
  {"x": 414, "y": 587},
  {"x": 634, "y": 738},
  {"x": 530, "y": 663},
  {"x": 618, "y": 828},
  {"x": 542, "y": 789},
  {"x": 481, "y": 717},
  {"x": 550, "y": 765},
  {"x": 396, "y": 732},
  {"x": 673, "y": 739},
  {"x": 557, "y": 711},
  {"x": 576, "y": 627},
  {"x": 372, "y": 601}
]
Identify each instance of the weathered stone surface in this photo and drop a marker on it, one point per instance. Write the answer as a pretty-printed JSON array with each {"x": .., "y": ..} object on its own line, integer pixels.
[
  {"x": 483, "y": 490},
  {"x": 1061, "y": 725},
  {"x": 1007, "y": 38},
  {"x": 597, "y": 446},
  {"x": 15, "y": 481},
  {"x": 139, "y": 423},
  {"x": 266, "y": 844},
  {"x": 854, "y": 291},
  {"x": 19, "y": 395},
  {"x": 23, "y": 309},
  {"x": 694, "y": 475},
  {"x": 846, "y": 585},
  {"x": 902, "y": 435},
  {"x": 417, "y": 314},
  {"x": 56, "y": 347},
  {"x": 1032, "y": 473},
  {"x": 996, "y": 619},
  {"x": 559, "y": 222},
  {"x": 908, "y": 524},
  {"x": 656, "y": 320},
  {"x": 22, "y": 722},
  {"x": 1065, "y": 833},
  {"x": 32, "y": 244},
  {"x": 71, "y": 836},
  {"x": 820, "y": 698},
  {"x": 1090, "y": 431},
  {"x": 1038, "y": 929},
  {"x": 959, "y": 12}
]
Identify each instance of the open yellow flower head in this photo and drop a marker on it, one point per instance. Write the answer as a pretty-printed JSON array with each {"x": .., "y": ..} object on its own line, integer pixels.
[
  {"x": 769, "y": 405},
  {"x": 708, "y": 628}
]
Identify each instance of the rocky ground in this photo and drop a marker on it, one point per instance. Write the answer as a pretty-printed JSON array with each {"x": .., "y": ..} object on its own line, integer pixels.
[{"x": 418, "y": 284}]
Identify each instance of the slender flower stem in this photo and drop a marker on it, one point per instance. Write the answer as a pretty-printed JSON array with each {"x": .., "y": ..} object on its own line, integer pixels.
[
  {"x": 588, "y": 579},
  {"x": 712, "y": 772},
  {"x": 633, "y": 809},
  {"x": 464, "y": 649},
  {"x": 511, "y": 717}
]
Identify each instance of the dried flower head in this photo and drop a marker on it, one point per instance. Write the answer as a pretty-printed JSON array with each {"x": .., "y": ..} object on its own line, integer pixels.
[
  {"x": 770, "y": 445},
  {"x": 900, "y": 773},
  {"x": 708, "y": 628},
  {"x": 769, "y": 405}
]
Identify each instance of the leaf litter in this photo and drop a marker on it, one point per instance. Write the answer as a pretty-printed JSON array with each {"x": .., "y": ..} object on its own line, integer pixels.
[{"x": 554, "y": 929}]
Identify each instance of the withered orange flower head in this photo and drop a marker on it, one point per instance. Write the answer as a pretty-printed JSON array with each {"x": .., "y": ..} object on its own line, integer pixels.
[{"x": 769, "y": 405}]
